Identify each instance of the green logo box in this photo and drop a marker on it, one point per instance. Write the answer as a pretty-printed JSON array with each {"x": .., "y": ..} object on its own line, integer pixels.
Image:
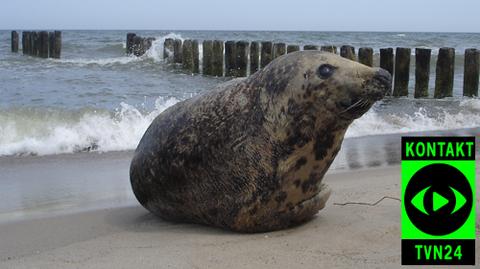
[{"x": 438, "y": 201}]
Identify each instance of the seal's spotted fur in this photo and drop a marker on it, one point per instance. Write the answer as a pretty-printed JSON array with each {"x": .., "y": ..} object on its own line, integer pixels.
[{"x": 251, "y": 154}]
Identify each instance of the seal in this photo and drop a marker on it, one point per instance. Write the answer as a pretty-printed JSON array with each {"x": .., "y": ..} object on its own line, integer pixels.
[{"x": 250, "y": 155}]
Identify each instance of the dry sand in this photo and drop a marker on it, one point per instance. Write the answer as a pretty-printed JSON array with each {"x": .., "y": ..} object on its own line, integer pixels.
[{"x": 349, "y": 236}]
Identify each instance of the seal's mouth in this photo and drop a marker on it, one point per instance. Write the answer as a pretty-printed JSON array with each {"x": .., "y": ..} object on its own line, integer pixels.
[
  {"x": 356, "y": 108},
  {"x": 375, "y": 89}
]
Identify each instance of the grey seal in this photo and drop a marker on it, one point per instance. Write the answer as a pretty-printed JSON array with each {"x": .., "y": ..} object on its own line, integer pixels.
[{"x": 250, "y": 155}]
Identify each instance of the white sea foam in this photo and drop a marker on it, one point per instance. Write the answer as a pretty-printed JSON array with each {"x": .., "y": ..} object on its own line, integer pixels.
[
  {"x": 58, "y": 132},
  {"x": 373, "y": 122}
]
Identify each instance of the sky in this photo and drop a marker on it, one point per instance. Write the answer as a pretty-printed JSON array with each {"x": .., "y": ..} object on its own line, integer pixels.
[{"x": 309, "y": 15}]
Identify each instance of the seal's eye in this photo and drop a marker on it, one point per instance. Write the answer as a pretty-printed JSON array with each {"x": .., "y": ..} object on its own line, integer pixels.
[{"x": 325, "y": 71}]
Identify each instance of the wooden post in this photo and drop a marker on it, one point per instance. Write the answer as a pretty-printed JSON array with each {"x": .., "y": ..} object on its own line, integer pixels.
[
  {"x": 14, "y": 41},
  {"x": 58, "y": 45},
  {"x": 43, "y": 44},
  {"x": 51, "y": 44},
  {"x": 329, "y": 48},
  {"x": 36, "y": 44},
  {"x": 267, "y": 54},
  {"x": 402, "y": 71},
  {"x": 207, "y": 48},
  {"x": 472, "y": 67},
  {"x": 386, "y": 59},
  {"x": 279, "y": 49},
  {"x": 168, "y": 48},
  {"x": 25, "y": 42},
  {"x": 230, "y": 56},
  {"x": 177, "y": 51},
  {"x": 254, "y": 57},
  {"x": 348, "y": 52},
  {"x": 187, "y": 55},
  {"x": 422, "y": 72},
  {"x": 241, "y": 61},
  {"x": 292, "y": 48},
  {"x": 445, "y": 72},
  {"x": 217, "y": 59},
  {"x": 138, "y": 46},
  {"x": 31, "y": 43},
  {"x": 365, "y": 56},
  {"x": 310, "y": 47},
  {"x": 130, "y": 37},
  {"x": 196, "y": 57}
]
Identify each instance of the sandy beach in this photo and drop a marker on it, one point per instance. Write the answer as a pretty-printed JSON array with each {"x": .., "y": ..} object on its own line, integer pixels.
[{"x": 127, "y": 236}]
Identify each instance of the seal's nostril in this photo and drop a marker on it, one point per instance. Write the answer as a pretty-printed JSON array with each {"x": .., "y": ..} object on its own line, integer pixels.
[{"x": 384, "y": 78}]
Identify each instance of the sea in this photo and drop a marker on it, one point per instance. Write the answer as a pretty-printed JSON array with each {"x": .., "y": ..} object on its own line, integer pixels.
[{"x": 98, "y": 99}]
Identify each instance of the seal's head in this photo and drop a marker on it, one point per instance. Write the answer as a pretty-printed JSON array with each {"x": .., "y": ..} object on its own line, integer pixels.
[{"x": 329, "y": 85}]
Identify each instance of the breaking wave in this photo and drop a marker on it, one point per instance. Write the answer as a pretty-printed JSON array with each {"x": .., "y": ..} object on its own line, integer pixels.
[{"x": 43, "y": 132}]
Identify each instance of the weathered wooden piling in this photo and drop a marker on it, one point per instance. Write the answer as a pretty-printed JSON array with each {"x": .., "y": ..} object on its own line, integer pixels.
[
  {"x": 138, "y": 46},
  {"x": 230, "y": 56},
  {"x": 51, "y": 44},
  {"x": 365, "y": 56},
  {"x": 348, "y": 52},
  {"x": 26, "y": 43},
  {"x": 422, "y": 72},
  {"x": 130, "y": 44},
  {"x": 177, "y": 51},
  {"x": 329, "y": 48},
  {"x": 254, "y": 57},
  {"x": 279, "y": 49},
  {"x": 57, "y": 50},
  {"x": 36, "y": 43},
  {"x": 266, "y": 55},
  {"x": 23, "y": 42},
  {"x": 168, "y": 48},
  {"x": 241, "y": 61},
  {"x": 196, "y": 56},
  {"x": 14, "y": 41},
  {"x": 386, "y": 59},
  {"x": 187, "y": 55},
  {"x": 292, "y": 48},
  {"x": 207, "y": 51},
  {"x": 310, "y": 47},
  {"x": 471, "y": 75},
  {"x": 43, "y": 44},
  {"x": 402, "y": 71},
  {"x": 445, "y": 71},
  {"x": 32, "y": 43},
  {"x": 217, "y": 59}
]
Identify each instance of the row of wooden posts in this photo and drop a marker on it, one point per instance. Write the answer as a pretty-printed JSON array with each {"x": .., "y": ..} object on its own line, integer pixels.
[
  {"x": 138, "y": 45},
  {"x": 41, "y": 44},
  {"x": 230, "y": 58}
]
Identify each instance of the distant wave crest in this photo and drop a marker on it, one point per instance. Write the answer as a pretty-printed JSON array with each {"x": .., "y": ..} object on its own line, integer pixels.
[{"x": 155, "y": 53}]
